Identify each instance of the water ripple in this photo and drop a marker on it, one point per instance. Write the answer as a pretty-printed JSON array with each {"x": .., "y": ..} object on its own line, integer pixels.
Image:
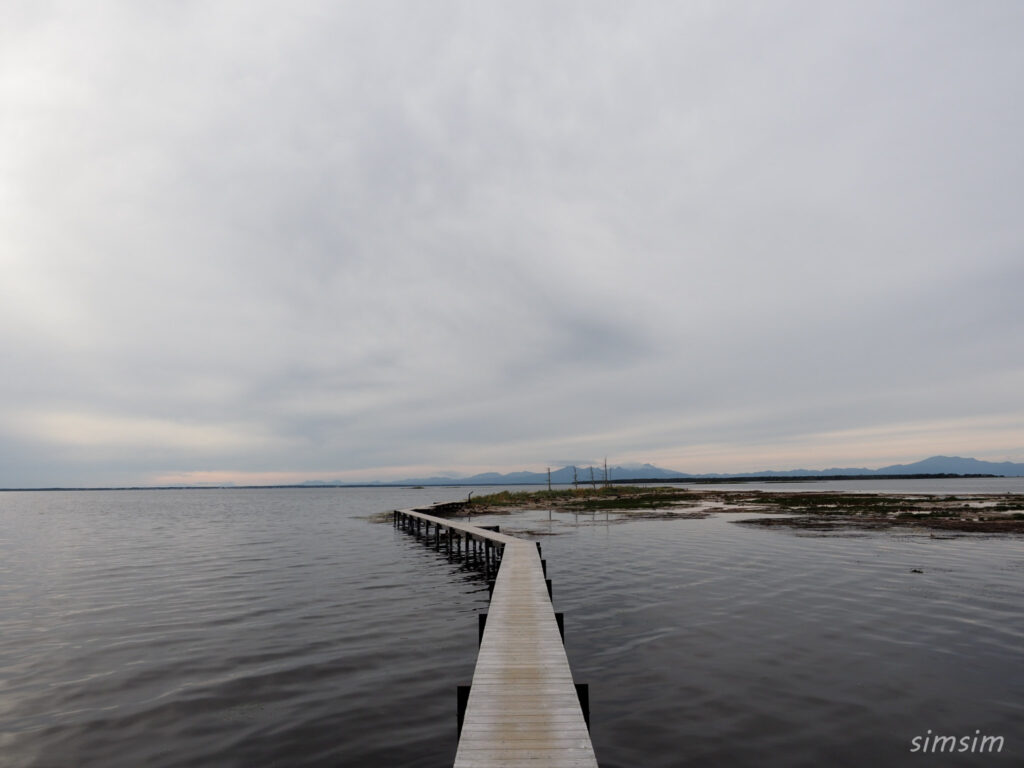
[{"x": 262, "y": 628}]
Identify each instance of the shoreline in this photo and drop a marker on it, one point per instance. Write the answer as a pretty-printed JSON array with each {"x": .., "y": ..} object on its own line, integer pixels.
[{"x": 989, "y": 513}]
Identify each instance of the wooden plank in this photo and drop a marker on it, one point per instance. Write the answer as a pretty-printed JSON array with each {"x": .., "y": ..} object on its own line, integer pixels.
[{"x": 522, "y": 710}]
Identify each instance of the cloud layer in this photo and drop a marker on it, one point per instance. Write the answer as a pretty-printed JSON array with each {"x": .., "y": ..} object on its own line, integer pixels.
[{"x": 354, "y": 240}]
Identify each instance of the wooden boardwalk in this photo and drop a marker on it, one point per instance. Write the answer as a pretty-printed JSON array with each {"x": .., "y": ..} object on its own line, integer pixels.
[{"x": 523, "y": 710}]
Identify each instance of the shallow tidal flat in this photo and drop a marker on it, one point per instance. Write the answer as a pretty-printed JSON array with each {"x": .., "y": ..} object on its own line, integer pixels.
[{"x": 994, "y": 513}]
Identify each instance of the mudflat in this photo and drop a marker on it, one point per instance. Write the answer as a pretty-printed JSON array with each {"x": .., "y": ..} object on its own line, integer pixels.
[{"x": 817, "y": 510}]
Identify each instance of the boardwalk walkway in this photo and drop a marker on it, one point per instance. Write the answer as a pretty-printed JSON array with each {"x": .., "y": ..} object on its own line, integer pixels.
[{"x": 523, "y": 710}]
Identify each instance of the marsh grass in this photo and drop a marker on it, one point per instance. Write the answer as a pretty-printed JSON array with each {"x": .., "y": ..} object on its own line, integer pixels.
[
  {"x": 832, "y": 503},
  {"x": 601, "y": 498}
]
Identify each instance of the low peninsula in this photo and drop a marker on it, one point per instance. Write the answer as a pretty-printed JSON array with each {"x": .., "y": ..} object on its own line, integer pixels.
[{"x": 809, "y": 510}]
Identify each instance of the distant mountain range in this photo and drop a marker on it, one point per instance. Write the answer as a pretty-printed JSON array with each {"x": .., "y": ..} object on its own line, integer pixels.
[{"x": 936, "y": 465}]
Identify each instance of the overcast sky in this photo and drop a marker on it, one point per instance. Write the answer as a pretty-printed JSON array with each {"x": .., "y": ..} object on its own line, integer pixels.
[{"x": 267, "y": 242}]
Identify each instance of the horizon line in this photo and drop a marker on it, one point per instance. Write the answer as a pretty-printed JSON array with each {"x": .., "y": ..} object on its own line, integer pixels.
[{"x": 706, "y": 479}]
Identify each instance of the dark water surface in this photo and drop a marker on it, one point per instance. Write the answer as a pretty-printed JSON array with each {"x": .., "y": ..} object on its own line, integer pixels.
[{"x": 281, "y": 628}]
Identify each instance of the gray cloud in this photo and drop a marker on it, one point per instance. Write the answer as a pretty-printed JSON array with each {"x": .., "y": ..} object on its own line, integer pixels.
[{"x": 355, "y": 239}]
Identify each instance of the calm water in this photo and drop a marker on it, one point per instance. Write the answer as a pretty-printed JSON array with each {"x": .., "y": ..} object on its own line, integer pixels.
[{"x": 280, "y": 627}]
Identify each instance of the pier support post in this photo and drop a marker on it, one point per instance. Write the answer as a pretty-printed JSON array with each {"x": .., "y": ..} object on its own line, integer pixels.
[
  {"x": 583, "y": 694},
  {"x": 462, "y": 697}
]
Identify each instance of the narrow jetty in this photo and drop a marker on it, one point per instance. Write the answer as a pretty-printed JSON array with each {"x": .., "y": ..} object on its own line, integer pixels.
[{"x": 523, "y": 709}]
